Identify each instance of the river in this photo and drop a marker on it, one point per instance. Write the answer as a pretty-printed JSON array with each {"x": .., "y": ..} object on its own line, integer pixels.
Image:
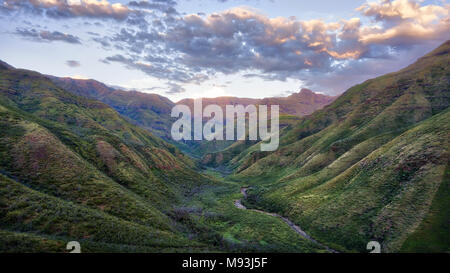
[{"x": 297, "y": 229}]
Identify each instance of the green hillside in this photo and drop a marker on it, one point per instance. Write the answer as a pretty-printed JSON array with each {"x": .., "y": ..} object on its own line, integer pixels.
[
  {"x": 370, "y": 166},
  {"x": 72, "y": 168},
  {"x": 78, "y": 161},
  {"x": 69, "y": 161},
  {"x": 149, "y": 111}
]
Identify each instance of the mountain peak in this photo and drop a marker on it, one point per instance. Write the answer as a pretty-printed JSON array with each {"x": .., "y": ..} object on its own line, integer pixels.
[
  {"x": 305, "y": 94},
  {"x": 306, "y": 91}
]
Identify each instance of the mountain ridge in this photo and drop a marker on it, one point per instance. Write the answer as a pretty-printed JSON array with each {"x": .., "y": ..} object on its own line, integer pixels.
[
  {"x": 373, "y": 165},
  {"x": 85, "y": 171},
  {"x": 298, "y": 104},
  {"x": 345, "y": 172}
]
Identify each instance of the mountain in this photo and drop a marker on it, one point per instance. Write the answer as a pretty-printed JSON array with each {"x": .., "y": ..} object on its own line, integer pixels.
[
  {"x": 149, "y": 111},
  {"x": 73, "y": 168},
  {"x": 152, "y": 112},
  {"x": 4, "y": 65},
  {"x": 372, "y": 165},
  {"x": 298, "y": 104},
  {"x": 216, "y": 153}
]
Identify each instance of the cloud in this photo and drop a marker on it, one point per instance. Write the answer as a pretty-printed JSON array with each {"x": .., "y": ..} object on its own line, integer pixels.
[
  {"x": 73, "y": 63},
  {"x": 193, "y": 48},
  {"x": 175, "y": 89},
  {"x": 159, "y": 69},
  {"x": 241, "y": 38},
  {"x": 404, "y": 22},
  {"x": 182, "y": 49},
  {"x": 70, "y": 8},
  {"x": 103, "y": 41},
  {"x": 47, "y": 36},
  {"x": 166, "y": 6}
]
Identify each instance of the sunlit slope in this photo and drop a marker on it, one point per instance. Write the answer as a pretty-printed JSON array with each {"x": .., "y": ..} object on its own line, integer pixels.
[
  {"x": 77, "y": 151},
  {"x": 367, "y": 166}
]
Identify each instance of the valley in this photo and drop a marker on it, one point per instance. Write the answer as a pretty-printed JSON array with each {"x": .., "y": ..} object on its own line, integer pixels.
[
  {"x": 238, "y": 204},
  {"x": 82, "y": 161}
]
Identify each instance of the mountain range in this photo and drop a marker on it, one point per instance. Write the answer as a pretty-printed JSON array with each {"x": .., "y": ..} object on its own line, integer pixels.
[
  {"x": 298, "y": 104},
  {"x": 83, "y": 161},
  {"x": 152, "y": 112},
  {"x": 373, "y": 165}
]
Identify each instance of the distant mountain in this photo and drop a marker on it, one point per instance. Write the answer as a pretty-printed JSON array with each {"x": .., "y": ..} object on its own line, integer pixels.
[
  {"x": 299, "y": 104},
  {"x": 372, "y": 165},
  {"x": 152, "y": 112}
]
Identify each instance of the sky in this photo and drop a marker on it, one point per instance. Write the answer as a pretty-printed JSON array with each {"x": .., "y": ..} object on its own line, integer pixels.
[{"x": 209, "y": 48}]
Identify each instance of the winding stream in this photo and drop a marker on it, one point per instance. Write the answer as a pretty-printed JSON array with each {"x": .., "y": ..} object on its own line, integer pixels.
[{"x": 238, "y": 204}]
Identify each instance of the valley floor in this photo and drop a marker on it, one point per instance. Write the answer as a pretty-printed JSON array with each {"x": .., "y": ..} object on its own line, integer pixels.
[
  {"x": 219, "y": 208},
  {"x": 238, "y": 204}
]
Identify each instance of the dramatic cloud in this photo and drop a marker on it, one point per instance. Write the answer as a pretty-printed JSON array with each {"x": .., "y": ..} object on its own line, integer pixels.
[
  {"x": 73, "y": 63},
  {"x": 182, "y": 49},
  {"x": 404, "y": 22},
  {"x": 242, "y": 39},
  {"x": 47, "y": 36}
]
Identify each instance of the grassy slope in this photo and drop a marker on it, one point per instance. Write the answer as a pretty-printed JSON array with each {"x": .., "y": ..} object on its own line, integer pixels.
[
  {"x": 365, "y": 167},
  {"x": 82, "y": 151},
  {"x": 149, "y": 111},
  {"x": 241, "y": 230},
  {"x": 232, "y": 155},
  {"x": 372, "y": 165},
  {"x": 36, "y": 214},
  {"x": 72, "y": 169},
  {"x": 432, "y": 235}
]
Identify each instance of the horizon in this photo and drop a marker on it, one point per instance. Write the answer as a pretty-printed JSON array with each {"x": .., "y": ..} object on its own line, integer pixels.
[
  {"x": 119, "y": 88},
  {"x": 209, "y": 49}
]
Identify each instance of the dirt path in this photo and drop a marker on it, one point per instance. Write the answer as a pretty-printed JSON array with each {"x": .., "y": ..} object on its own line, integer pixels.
[{"x": 239, "y": 205}]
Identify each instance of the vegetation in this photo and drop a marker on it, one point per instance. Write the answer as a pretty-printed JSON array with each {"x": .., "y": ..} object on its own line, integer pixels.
[
  {"x": 368, "y": 166},
  {"x": 72, "y": 168},
  {"x": 372, "y": 165}
]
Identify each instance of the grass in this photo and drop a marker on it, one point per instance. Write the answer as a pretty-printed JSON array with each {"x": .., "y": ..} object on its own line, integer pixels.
[
  {"x": 373, "y": 165},
  {"x": 433, "y": 233},
  {"x": 367, "y": 166},
  {"x": 243, "y": 230}
]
